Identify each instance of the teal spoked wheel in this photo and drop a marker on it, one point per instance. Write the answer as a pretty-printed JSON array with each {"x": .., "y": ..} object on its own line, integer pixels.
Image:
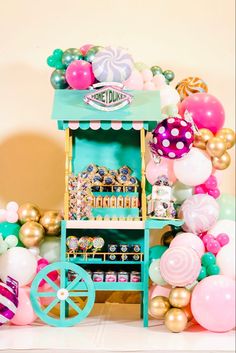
[{"x": 62, "y": 294}]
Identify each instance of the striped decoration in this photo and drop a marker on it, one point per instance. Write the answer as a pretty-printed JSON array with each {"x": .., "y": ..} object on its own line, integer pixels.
[{"x": 8, "y": 303}]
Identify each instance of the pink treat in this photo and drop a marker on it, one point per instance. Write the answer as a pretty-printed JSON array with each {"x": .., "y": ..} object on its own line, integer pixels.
[
  {"x": 223, "y": 239},
  {"x": 206, "y": 238},
  {"x": 213, "y": 246},
  {"x": 180, "y": 266},
  {"x": 189, "y": 240}
]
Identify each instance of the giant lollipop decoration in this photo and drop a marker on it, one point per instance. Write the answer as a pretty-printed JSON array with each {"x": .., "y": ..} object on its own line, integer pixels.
[
  {"x": 172, "y": 138},
  {"x": 112, "y": 65},
  {"x": 8, "y": 300}
]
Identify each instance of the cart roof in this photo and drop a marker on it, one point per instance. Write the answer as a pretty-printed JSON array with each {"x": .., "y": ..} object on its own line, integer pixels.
[{"x": 70, "y": 110}]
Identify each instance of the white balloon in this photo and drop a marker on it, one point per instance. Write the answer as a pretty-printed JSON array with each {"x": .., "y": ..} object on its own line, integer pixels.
[
  {"x": 225, "y": 259},
  {"x": 19, "y": 264},
  {"x": 224, "y": 226},
  {"x": 194, "y": 168},
  {"x": 155, "y": 273},
  {"x": 168, "y": 96},
  {"x": 50, "y": 249}
]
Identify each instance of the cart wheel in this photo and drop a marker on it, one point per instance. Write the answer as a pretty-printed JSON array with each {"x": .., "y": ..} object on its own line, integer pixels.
[{"x": 82, "y": 286}]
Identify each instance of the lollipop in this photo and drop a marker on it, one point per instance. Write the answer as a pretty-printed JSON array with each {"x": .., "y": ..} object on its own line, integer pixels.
[
  {"x": 8, "y": 300},
  {"x": 191, "y": 85},
  {"x": 172, "y": 138},
  {"x": 112, "y": 65},
  {"x": 180, "y": 266},
  {"x": 98, "y": 243},
  {"x": 72, "y": 243},
  {"x": 85, "y": 243}
]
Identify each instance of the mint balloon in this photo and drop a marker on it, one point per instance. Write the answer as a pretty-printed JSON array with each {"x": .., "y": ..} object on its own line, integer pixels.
[
  {"x": 227, "y": 207},
  {"x": 70, "y": 55},
  {"x": 58, "y": 79},
  {"x": 156, "y": 70},
  {"x": 169, "y": 75},
  {"x": 90, "y": 55}
]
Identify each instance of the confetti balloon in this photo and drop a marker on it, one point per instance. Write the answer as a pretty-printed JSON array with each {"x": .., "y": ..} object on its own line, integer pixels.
[
  {"x": 200, "y": 212},
  {"x": 191, "y": 85},
  {"x": 8, "y": 302},
  {"x": 180, "y": 266},
  {"x": 172, "y": 138},
  {"x": 112, "y": 65}
]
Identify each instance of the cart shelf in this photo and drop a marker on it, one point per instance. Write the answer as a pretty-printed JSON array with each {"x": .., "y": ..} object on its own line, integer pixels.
[
  {"x": 105, "y": 225},
  {"x": 82, "y": 262},
  {"x": 89, "y": 257},
  {"x": 114, "y": 286}
]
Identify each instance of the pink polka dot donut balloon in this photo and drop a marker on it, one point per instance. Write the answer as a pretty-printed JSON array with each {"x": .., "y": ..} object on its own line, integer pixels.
[
  {"x": 180, "y": 266},
  {"x": 172, "y": 138}
]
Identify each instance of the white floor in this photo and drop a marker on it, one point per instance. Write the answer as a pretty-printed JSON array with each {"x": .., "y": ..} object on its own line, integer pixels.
[{"x": 112, "y": 328}]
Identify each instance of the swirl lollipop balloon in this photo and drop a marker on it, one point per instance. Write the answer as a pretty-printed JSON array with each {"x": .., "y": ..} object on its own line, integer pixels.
[
  {"x": 8, "y": 300},
  {"x": 191, "y": 85},
  {"x": 112, "y": 65},
  {"x": 172, "y": 138},
  {"x": 180, "y": 266}
]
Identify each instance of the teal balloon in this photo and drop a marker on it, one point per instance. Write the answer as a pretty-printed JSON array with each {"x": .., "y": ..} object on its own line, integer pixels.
[
  {"x": 90, "y": 55},
  {"x": 202, "y": 274},
  {"x": 213, "y": 270},
  {"x": 156, "y": 70},
  {"x": 208, "y": 259},
  {"x": 70, "y": 55},
  {"x": 7, "y": 228},
  {"x": 58, "y": 79},
  {"x": 181, "y": 192},
  {"x": 169, "y": 75},
  {"x": 227, "y": 207},
  {"x": 155, "y": 252},
  {"x": 57, "y": 53},
  {"x": 51, "y": 61}
]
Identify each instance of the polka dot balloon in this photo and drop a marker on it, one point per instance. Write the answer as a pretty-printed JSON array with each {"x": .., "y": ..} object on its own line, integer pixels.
[{"x": 172, "y": 138}]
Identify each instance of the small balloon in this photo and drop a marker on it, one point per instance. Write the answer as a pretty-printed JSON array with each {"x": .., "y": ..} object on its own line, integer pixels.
[
  {"x": 222, "y": 162},
  {"x": 179, "y": 297},
  {"x": 155, "y": 274},
  {"x": 228, "y": 135},
  {"x": 58, "y": 79},
  {"x": 11, "y": 241},
  {"x": 227, "y": 206},
  {"x": 90, "y": 55},
  {"x": 181, "y": 192},
  {"x": 156, "y": 70},
  {"x": 216, "y": 147},
  {"x": 167, "y": 238},
  {"x": 51, "y": 221},
  {"x": 70, "y": 55},
  {"x": 31, "y": 234},
  {"x": 79, "y": 74},
  {"x": 169, "y": 75},
  {"x": 158, "y": 307},
  {"x": 188, "y": 312},
  {"x": 140, "y": 66},
  {"x": 176, "y": 320},
  {"x": 201, "y": 139},
  {"x": 28, "y": 212}
]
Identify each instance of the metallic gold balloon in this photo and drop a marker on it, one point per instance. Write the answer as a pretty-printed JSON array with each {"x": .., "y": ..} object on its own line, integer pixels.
[
  {"x": 176, "y": 320},
  {"x": 228, "y": 135},
  {"x": 179, "y": 297},
  {"x": 51, "y": 221},
  {"x": 216, "y": 147},
  {"x": 201, "y": 139},
  {"x": 158, "y": 307},
  {"x": 188, "y": 312},
  {"x": 167, "y": 238},
  {"x": 28, "y": 212},
  {"x": 221, "y": 163},
  {"x": 31, "y": 234}
]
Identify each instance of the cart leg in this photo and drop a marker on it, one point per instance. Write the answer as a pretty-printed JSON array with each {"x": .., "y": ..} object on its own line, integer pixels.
[
  {"x": 141, "y": 305},
  {"x": 145, "y": 278}
]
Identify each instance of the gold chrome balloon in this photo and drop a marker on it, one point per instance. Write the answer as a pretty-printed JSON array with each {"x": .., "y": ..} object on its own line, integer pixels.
[
  {"x": 201, "y": 139},
  {"x": 167, "y": 238},
  {"x": 228, "y": 135},
  {"x": 188, "y": 312},
  {"x": 31, "y": 234},
  {"x": 51, "y": 221},
  {"x": 179, "y": 297},
  {"x": 28, "y": 212},
  {"x": 158, "y": 307},
  {"x": 221, "y": 163},
  {"x": 176, "y": 320},
  {"x": 216, "y": 147}
]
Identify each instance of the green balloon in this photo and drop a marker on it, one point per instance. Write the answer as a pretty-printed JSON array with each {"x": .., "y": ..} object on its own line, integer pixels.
[
  {"x": 181, "y": 192},
  {"x": 208, "y": 259},
  {"x": 155, "y": 252},
  {"x": 169, "y": 75},
  {"x": 156, "y": 70},
  {"x": 70, "y": 55},
  {"x": 227, "y": 207},
  {"x": 90, "y": 55},
  {"x": 58, "y": 79},
  {"x": 140, "y": 66},
  {"x": 57, "y": 53},
  {"x": 7, "y": 228},
  {"x": 202, "y": 274},
  {"x": 213, "y": 270},
  {"x": 51, "y": 61}
]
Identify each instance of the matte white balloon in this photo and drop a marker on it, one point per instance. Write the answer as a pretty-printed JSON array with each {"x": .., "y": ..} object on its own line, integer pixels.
[
  {"x": 225, "y": 259},
  {"x": 50, "y": 249}
]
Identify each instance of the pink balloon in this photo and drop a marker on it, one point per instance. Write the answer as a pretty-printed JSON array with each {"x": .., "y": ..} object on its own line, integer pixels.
[
  {"x": 12, "y": 206},
  {"x": 135, "y": 81},
  {"x": 24, "y": 314},
  {"x": 159, "y": 81},
  {"x": 11, "y": 216},
  {"x": 147, "y": 75},
  {"x": 206, "y": 110},
  {"x": 156, "y": 290},
  {"x": 200, "y": 189},
  {"x": 213, "y": 303},
  {"x": 85, "y": 48},
  {"x": 79, "y": 74},
  {"x": 154, "y": 170},
  {"x": 211, "y": 182},
  {"x": 213, "y": 246},
  {"x": 223, "y": 239},
  {"x": 214, "y": 193},
  {"x": 199, "y": 212},
  {"x": 3, "y": 214},
  {"x": 47, "y": 288},
  {"x": 189, "y": 240}
]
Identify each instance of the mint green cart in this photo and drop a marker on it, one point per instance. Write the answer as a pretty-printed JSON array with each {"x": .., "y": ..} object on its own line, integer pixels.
[{"x": 112, "y": 139}]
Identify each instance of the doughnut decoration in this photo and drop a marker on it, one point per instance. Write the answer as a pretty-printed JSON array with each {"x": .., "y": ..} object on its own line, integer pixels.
[
  {"x": 8, "y": 303},
  {"x": 180, "y": 266},
  {"x": 191, "y": 85},
  {"x": 172, "y": 138},
  {"x": 112, "y": 65},
  {"x": 200, "y": 212}
]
